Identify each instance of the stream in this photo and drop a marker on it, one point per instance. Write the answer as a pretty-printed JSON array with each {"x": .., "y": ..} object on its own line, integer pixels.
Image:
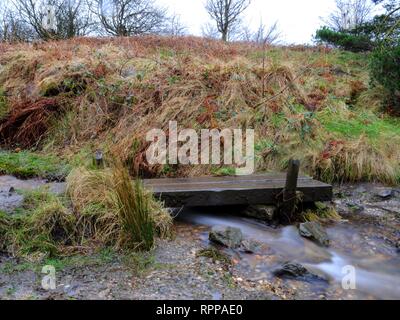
[
  {"x": 366, "y": 240},
  {"x": 354, "y": 243}
]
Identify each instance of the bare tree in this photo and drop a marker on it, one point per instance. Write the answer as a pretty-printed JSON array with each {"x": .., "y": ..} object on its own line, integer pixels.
[
  {"x": 263, "y": 35},
  {"x": 129, "y": 17},
  {"x": 12, "y": 29},
  {"x": 350, "y": 14},
  {"x": 174, "y": 26},
  {"x": 226, "y": 14},
  {"x": 210, "y": 31},
  {"x": 72, "y": 17}
]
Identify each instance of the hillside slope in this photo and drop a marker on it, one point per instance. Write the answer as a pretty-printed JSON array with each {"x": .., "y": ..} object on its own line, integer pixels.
[{"x": 73, "y": 97}]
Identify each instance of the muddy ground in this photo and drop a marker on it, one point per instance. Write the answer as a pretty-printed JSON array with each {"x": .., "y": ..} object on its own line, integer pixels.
[{"x": 369, "y": 236}]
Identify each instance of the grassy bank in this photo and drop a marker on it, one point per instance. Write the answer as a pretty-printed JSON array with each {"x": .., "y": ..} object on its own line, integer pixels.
[{"x": 315, "y": 104}]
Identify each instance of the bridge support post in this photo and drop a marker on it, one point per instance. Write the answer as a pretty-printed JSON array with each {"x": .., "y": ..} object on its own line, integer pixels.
[
  {"x": 288, "y": 207},
  {"x": 99, "y": 159}
]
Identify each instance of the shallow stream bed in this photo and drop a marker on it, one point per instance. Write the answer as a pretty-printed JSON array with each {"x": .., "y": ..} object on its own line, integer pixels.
[{"x": 367, "y": 240}]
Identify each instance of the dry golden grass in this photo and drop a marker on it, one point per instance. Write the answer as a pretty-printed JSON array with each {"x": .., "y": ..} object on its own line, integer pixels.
[
  {"x": 116, "y": 90},
  {"x": 114, "y": 210}
]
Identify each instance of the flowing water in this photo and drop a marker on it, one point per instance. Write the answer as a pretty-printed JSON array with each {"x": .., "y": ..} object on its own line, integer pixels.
[
  {"x": 358, "y": 242},
  {"x": 353, "y": 243}
]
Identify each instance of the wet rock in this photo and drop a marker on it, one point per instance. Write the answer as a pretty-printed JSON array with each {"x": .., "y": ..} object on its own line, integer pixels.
[
  {"x": 291, "y": 269},
  {"x": 250, "y": 246},
  {"x": 297, "y": 271},
  {"x": 226, "y": 236},
  {"x": 385, "y": 194},
  {"x": 265, "y": 213},
  {"x": 314, "y": 231}
]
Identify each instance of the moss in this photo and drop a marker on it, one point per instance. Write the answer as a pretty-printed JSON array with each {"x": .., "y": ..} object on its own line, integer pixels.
[
  {"x": 26, "y": 164},
  {"x": 215, "y": 255}
]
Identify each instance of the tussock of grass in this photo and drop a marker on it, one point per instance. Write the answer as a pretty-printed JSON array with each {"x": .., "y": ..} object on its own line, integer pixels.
[
  {"x": 358, "y": 160},
  {"x": 124, "y": 212},
  {"x": 104, "y": 209},
  {"x": 43, "y": 225}
]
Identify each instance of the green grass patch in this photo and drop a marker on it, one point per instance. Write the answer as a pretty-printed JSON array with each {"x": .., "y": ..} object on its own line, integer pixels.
[
  {"x": 223, "y": 172},
  {"x": 26, "y": 165},
  {"x": 102, "y": 257},
  {"x": 10, "y": 267},
  {"x": 354, "y": 125}
]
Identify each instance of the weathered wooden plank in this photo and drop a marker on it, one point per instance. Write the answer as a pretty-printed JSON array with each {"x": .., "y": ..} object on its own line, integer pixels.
[
  {"x": 201, "y": 180},
  {"x": 211, "y": 191},
  {"x": 218, "y": 187},
  {"x": 233, "y": 197}
]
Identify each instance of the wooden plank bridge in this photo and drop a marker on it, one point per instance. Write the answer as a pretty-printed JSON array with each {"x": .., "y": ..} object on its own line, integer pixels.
[{"x": 259, "y": 189}]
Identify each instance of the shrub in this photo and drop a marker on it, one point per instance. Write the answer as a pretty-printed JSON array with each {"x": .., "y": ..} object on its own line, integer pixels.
[
  {"x": 344, "y": 39},
  {"x": 385, "y": 70}
]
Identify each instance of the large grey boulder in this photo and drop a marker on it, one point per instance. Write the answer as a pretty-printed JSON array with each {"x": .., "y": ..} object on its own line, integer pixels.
[
  {"x": 314, "y": 231},
  {"x": 226, "y": 236}
]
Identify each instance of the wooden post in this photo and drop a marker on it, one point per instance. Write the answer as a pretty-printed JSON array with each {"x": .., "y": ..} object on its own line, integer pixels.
[
  {"x": 288, "y": 207},
  {"x": 98, "y": 159}
]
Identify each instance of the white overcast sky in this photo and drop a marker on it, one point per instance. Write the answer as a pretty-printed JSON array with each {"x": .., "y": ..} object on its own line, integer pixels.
[{"x": 298, "y": 20}]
